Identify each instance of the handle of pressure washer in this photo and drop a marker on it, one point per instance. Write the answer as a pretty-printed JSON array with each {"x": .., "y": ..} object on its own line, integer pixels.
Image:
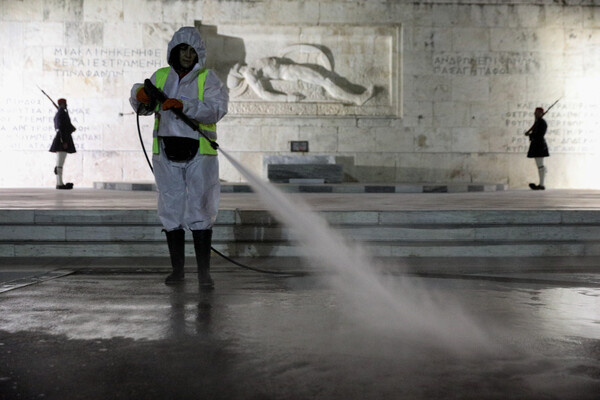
[{"x": 158, "y": 95}]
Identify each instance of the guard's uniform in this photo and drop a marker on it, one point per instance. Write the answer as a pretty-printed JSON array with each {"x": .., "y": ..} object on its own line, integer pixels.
[
  {"x": 64, "y": 129},
  {"x": 538, "y": 146}
]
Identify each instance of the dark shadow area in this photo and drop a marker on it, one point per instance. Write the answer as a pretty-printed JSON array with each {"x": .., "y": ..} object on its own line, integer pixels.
[
  {"x": 222, "y": 52},
  {"x": 365, "y": 173}
]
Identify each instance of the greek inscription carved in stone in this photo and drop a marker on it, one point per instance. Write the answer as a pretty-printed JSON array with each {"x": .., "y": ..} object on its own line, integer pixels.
[
  {"x": 568, "y": 130},
  {"x": 485, "y": 64},
  {"x": 29, "y": 125},
  {"x": 101, "y": 62}
]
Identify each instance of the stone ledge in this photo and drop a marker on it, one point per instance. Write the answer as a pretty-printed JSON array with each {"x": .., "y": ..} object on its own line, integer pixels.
[
  {"x": 128, "y": 186},
  {"x": 289, "y": 249},
  {"x": 286, "y": 173},
  {"x": 229, "y": 187}
]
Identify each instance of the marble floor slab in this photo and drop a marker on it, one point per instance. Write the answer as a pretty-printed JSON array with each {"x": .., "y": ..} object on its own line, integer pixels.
[{"x": 87, "y": 198}]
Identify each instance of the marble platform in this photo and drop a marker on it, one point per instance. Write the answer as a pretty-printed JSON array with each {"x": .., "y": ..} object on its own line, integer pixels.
[
  {"x": 285, "y": 173},
  {"x": 110, "y": 223},
  {"x": 306, "y": 186}
]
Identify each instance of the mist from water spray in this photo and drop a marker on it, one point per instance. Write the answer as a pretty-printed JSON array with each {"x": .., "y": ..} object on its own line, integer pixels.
[{"x": 398, "y": 306}]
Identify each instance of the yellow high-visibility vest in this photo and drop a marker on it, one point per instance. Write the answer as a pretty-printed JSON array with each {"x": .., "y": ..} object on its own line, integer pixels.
[{"x": 209, "y": 129}]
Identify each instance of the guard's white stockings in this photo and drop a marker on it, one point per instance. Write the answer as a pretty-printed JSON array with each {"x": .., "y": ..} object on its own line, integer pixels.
[
  {"x": 539, "y": 161},
  {"x": 60, "y": 161}
]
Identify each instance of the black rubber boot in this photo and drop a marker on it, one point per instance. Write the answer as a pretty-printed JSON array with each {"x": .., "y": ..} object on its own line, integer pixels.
[
  {"x": 202, "y": 243},
  {"x": 176, "y": 243}
]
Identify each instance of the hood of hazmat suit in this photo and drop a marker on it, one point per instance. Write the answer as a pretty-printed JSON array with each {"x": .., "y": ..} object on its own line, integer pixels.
[
  {"x": 190, "y": 36},
  {"x": 209, "y": 110}
]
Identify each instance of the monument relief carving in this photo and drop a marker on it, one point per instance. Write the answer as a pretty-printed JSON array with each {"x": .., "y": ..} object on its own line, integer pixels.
[
  {"x": 328, "y": 70},
  {"x": 259, "y": 74}
]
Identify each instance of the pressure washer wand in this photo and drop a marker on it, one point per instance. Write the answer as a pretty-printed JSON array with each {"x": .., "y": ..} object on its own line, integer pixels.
[
  {"x": 49, "y": 98},
  {"x": 157, "y": 94}
]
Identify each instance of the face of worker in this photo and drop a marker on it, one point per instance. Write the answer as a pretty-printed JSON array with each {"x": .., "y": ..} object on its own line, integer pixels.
[
  {"x": 187, "y": 56},
  {"x": 62, "y": 104},
  {"x": 538, "y": 113}
]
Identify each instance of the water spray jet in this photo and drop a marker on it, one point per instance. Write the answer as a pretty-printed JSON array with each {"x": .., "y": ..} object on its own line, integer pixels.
[{"x": 404, "y": 309}]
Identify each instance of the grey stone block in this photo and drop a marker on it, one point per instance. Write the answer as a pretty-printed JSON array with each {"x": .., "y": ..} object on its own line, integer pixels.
[
  {"x": 380, "y": 189},
  {"x": 435, "y": 189},
  {"x": 315, "y": 189},
  {"x": 282, "y": 173}
]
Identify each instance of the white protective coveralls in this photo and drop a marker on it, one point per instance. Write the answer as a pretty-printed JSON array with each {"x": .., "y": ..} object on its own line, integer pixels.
[{"x": 188, "y": 192}]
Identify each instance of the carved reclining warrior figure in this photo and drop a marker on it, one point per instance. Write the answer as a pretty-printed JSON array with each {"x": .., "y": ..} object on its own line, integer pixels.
[{"x": 258, "y": 74}]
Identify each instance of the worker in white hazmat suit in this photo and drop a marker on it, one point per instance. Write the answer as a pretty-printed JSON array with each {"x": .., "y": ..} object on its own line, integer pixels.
[{"x": 186, "y": 167}]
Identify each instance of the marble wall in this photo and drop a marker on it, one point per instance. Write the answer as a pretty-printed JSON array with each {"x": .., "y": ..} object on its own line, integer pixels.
[{"x": 455, "y": 85}]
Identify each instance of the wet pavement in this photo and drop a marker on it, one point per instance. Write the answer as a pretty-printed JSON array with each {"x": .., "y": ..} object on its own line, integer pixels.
[
  {"x": 424, "y": 328},
  {"x": 115, "y": 331}
]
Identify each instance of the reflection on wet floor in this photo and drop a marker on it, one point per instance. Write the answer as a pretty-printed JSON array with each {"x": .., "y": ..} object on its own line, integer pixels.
[{"x": 259, "y": 336}]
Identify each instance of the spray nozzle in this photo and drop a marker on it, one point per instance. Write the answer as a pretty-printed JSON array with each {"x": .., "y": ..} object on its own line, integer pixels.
[{"x": 153, "y": 92}]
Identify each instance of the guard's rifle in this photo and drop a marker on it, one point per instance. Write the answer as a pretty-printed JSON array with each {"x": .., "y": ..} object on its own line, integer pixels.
[
  {"x": 157, "y": 95},
  {"x": 49, "y": 98},
  {"x": 545, "y": 112}
]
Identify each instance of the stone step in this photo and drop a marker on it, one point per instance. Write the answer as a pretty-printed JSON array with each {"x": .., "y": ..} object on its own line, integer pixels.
[
  {"x": 329, "y": 173},
  {"x": 348, "y": 187},
  {"x": 258, "y": 233},
  {"x": 34, "y": 249},
  {"x": 262, "y": 217}
]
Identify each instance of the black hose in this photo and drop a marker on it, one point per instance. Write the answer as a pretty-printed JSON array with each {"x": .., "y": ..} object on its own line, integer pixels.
[
  {"x": 137, "y": 118},
  {"x": 264, "y": 271}
]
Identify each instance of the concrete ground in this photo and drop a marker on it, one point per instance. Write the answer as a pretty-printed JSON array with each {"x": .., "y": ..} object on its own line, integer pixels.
[
  {"x": 526, "y": 328},
  {"x": 116, "y": 332}
]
